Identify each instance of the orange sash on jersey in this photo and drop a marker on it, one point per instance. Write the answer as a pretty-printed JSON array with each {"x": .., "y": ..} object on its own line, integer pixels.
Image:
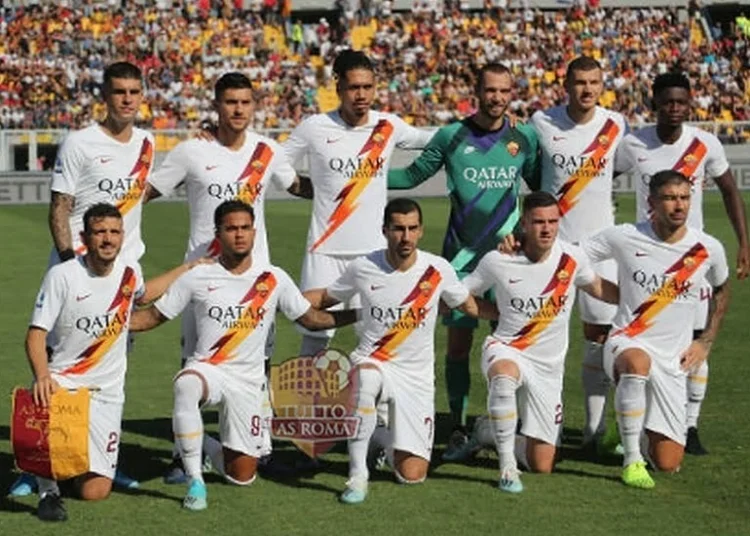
[
  {"x": 558, "y": 285},
  {"x": 603, "y": 142},
  {"x": 670, "y": 290},
  {"x": 257, "y": 296},
  {"x": 51, "y": 442},
  {"x": 419, "y": 297},
  {"x": 347, "y": 197},
  {"x": 692, "y": 157}
]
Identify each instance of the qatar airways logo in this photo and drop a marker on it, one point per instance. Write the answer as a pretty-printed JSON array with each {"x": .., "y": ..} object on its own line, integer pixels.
[
  {"x": 585, "y": 165},
  {"x": 233, "y": 190},
  {"x": 491, "y": 177},
  {"x": 399, "y": 317},
  {"x": 357, "y": 168},
  {"x": 123, "y": 189},
  {"x": 540, "y": 306},
  {"x": 662, "y": 285},
  {"x": 108, "y": 324},
  {"x": 237, "y": 316}
]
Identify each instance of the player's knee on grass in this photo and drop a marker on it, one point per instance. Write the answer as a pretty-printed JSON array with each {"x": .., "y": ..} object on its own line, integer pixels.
[
  {"x": 410, "y": 469},
  {"x": 239, "y": 467},
  {"x": 632, "y": 361},
  {"x": 504, "y": 367},
  {"x": 665, "y": 454},
  {"x": 596, "y": 332},
  {"x": 459, "y": 342},
  {"x": 93, "y": 487},
  {"x": 541, "y": 456}
]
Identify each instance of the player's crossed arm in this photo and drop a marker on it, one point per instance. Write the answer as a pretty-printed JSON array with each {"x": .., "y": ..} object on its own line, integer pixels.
[
  {"x": 475, "y": 307},
  {"x": 317, "y": 318},
  {"x": 603, "y": 289},
  {"x": 60, "y": 209}
]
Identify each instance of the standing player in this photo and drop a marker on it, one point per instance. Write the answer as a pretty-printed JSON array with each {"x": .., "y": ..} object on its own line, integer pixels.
[
  {"x": 107, "y": 162},
  {"x": 235, "y": 164},
  {"x": 235, "y": 301},
  {"x": 578, "y": 143},
  {"x": 698, "y": 155},
  {"x": 485, "y": 159},
  {"x": 662, "y": 263},
  {"x": 349, "y": 151},
  {"x": 525, "y": 356},
  {"x": 400, "y": 288},
  {"x": 86, "y": 304}
]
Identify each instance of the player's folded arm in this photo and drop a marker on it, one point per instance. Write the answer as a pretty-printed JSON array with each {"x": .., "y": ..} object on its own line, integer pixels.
[
  {"x": 146, "y": 319},
  {"x": 603, "y": 289},
  {"x": 301, "y": 187},
  {"x": 319, "y": 298},
  {"x": 317, "y": 320}
]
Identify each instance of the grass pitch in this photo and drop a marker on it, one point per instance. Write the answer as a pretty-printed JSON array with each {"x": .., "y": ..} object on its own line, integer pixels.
[{"x": 711, "y": 495}]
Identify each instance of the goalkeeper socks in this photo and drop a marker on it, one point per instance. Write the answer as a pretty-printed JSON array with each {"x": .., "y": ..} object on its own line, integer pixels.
[
  {"x": 370, "y": 384},
  {"x": 188, "y": 423},
  {"x": 630, "y": 406},
  {"x": 458, "y": 381}
]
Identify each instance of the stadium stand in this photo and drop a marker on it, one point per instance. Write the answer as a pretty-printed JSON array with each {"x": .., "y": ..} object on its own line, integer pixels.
[{"x": 52, "y": 58}]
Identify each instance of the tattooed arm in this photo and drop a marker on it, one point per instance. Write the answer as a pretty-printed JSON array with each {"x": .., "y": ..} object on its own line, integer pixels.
[{"x": 60, "y": 208}]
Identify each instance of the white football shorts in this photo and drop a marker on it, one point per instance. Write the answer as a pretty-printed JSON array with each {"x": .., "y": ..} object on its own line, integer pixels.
[{"x": 593, "y": 311}]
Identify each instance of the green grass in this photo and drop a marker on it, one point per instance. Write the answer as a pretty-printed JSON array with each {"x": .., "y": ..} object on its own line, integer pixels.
[{"x": 710, "y": 496}]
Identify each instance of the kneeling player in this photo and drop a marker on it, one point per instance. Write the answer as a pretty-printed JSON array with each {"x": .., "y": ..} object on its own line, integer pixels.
[
  {"x": 400, "y": 288},
  {"x": 235, "y": 302},
  {"x": 86, "y": 304},
  {"x": 525, "y": 356},
  {"x": 650, "y": 352}
]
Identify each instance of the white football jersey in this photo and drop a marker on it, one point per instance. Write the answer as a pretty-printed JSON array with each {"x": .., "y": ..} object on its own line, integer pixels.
[
  {"x": 89, "y": 318},
  {"x": 234, "y": 313},
  {"x": 534, "y": 299},
  {"x": 214, "y": 174},
  {"x": 348, "y": 170},
  {"x": 660, "y": 283},
  {"x": 578, "y": 165},
  {"x": 399, "y": 309},
  {"x": 697, "y": 154},
  {"x": 95, "y": 168}
]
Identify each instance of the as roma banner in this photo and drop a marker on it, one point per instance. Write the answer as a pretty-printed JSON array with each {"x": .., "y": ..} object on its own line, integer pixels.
[
  {"x": 314, "y": 401},
  {"x": 51, "y": 442}
]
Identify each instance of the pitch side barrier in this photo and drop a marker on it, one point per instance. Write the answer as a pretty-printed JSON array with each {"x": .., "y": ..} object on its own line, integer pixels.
[{"x": 28, "y": 188}]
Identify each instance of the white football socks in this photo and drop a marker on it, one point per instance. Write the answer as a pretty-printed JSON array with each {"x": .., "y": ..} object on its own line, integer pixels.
[
  {"x": 501, "y": 406},
  {"x": 630, "y": 406},
  {"x": 187, "y": 423},
  {"x": 697, "y": 382},
  {"x": 370, "y": 385},
  {"x": 595, "y": 387}
]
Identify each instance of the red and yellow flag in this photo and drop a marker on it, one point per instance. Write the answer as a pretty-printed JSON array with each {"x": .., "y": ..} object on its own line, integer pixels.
[
  {"x": 51, "y": 442},
  {"x": 568, "y": 195},
  {"x": 253, "y": 313},
  {"x": 118, "y": 312},
  {"x": 558, "y": 286},
  {"x": 250, "y": 180},
  {"x": 347, "y": 197},
  {"x": 419, "y": 297},
  {"x": 670, "y": 290},
  {"x": 688, "y": 163}
]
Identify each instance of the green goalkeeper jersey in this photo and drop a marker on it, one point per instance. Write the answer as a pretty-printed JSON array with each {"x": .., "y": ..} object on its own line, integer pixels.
[{"x": 484, "y": 171}]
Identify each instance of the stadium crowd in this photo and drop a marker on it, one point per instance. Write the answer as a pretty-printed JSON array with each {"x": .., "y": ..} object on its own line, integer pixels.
[{"x": 52, "y": 59}]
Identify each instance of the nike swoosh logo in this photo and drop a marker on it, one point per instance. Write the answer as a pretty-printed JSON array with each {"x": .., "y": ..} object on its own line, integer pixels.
[
  {"x": 558, "y": 138},
  {"x": 211, "y": 289},
  {"x": 640, "y": 254},
  {"x": 81, "y": 298},
  {"x": 209, "y": 168},
  {"x": 514, "y": 281},
  {"x": 376, "y": 287},
  {"x": 332, "y": 140},
  {"x": 105, "y": 160},
  {"x": 640, "y": 159}
]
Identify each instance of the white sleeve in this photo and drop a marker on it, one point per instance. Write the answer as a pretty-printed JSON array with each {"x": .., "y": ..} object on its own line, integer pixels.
[
  {"x": 140, "y": 285},
  {"x": 291, "y": 301},
  {"x": 68, "y": 168},
  {"x": 177, "y": 296},
  {"x": 716, "y": 158},
  {"x": 480, "y": 280},
  {"x": 345, "y": 286},
  {"x": 50, "y": 300},
  {"x": 585, "y": 274},
  {"x": 282, "y": 172},
  {"x": 599, "y": 247},
  {"x": 408, "y": 137},
  {"x": 453, "y": 292},
  {"x": 718, "y": 271},
  {"x": 172, "y": 171},
  {"x": 296, "y": 145}
]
